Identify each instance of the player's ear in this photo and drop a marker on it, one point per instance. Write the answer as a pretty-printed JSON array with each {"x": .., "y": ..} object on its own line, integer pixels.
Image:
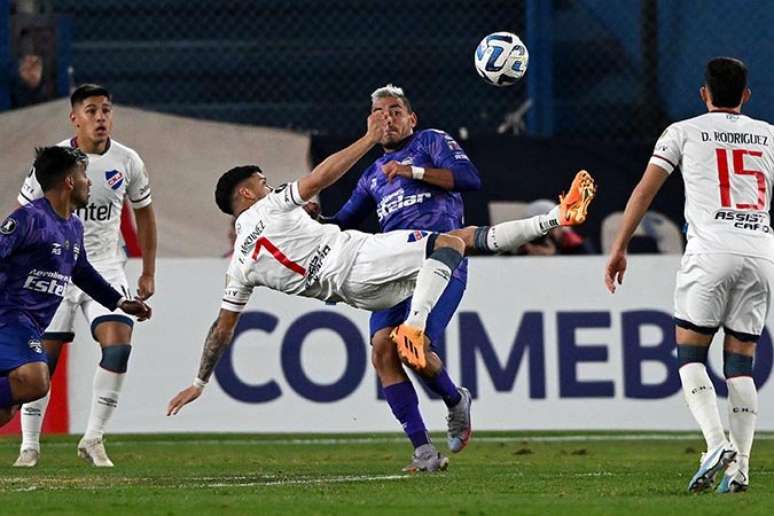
[
  {"x": 746, "y": 95},
  {"x": 413, "y": 118},
  {"x": 703, "y": 94},
  {"x": 69, "y": 182},
  {"x": 72, "y": 118}
]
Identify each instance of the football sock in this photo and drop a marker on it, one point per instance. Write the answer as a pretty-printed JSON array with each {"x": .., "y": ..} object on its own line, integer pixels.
[
  {"x": 107, "y": 387},
  {"x": 442, "y": 385},
  {"x": 703, "y": 402},
  {"x": 433, "y": 277},
  {"x": 32, "y": 415},
  {"x": 404, "y": 403},
  {"x": 6, "y": 396},
  {"x": 742, "y": 415},
  {"x": 509, "y": 236}
]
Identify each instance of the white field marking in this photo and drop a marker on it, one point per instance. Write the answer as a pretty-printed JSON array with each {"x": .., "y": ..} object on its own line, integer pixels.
[
  {"x": 222, "y": 482},
  {"x": 324, "y": 441}
]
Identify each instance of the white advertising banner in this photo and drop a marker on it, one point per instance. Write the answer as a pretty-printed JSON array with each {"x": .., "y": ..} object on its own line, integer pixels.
[{"x": 539, "y": 342}]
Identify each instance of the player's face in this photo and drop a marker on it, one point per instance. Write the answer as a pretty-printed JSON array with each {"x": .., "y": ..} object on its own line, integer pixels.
[
  {"x": 256, "y": 187},
  {"x": 93, "y": 120},
  {"x": 400, "y": 123},
  {"x": 79, "y": 196}
]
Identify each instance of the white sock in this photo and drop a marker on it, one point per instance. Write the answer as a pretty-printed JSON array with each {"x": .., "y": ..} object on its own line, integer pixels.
[
  {"x": 107, "y": 387},
  {"x": 703, "y": 402},
  {"x": 32, "y": 415},
  {"x": 742, "y": 414},
  {"x": 431, "y": 282},
  {"x": 509, "y": 236}
]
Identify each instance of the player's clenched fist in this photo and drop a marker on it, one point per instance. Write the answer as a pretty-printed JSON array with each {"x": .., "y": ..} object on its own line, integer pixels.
[{"x": 377, "y": 126}]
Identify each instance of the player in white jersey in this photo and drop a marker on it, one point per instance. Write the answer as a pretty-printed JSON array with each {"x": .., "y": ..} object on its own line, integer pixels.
[
  {"x": 116, "y": 172},
  {"x": 727, "y": 274},
  {"x": 280, "y": 247}
]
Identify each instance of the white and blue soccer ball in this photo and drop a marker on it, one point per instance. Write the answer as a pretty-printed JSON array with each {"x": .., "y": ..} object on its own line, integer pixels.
[{"x": 501, "y": 58}]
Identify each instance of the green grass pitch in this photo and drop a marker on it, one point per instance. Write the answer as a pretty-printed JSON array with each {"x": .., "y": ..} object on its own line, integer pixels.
[{"x": 562, "y": 473}]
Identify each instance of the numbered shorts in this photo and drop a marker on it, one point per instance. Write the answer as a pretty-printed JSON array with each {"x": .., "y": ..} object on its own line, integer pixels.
[
  {"x": 385, "y": 269},
  {"x": 19, "y": 345},
  {"x": 732, "y": 291},
  {"x": 62, "y": 326}
]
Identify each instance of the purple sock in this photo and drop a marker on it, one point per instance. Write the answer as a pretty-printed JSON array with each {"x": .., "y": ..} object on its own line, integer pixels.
[
  {"x": 6, "y": 397},
  {"x": 405, "y": 405},
  {"x": 442, "y": 385}
]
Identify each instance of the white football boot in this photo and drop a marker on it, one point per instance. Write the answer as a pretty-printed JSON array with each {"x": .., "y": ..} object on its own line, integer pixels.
[
  {"x": 93, "y": 452},
  {"x": 28, "y": 458}
]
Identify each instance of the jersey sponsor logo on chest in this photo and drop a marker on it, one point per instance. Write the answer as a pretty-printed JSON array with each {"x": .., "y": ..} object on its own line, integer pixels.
[
  {"x": 397, "y": 201},
  {"x": 750, "y": 221},
  {"x": 47, "y": 282},
  {"x": 114, "y": 179}
]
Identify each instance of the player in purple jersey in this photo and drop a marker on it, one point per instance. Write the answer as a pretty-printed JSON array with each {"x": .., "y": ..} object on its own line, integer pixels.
[
  {"x": 416, "y": 184},
  {"x": 41, "y": 251}
]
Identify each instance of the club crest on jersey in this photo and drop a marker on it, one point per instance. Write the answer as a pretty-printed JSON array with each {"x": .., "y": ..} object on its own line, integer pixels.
[
  {"x": 8, "y": 227},
  {"x": 114, "y": 179},
  {"x": 35, "y": 345},
  {"x": 417, "y": 235}
]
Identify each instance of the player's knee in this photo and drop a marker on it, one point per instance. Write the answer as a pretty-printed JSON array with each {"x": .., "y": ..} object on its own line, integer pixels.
[
  {"x": 384, "y": 356},
  {"x": 737, "y": 364},
  {"x": 115, "y": 358},
  {"x": 30, "y": 384},
  {"x": 447, "y": 240},
  {"x": 687, "y": 354}
]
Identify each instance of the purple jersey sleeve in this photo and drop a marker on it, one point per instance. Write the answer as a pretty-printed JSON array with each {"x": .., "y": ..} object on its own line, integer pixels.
[
  {"x": 91, "y": 282},
  {"x": 446, "y": 153},
  {"x": 357, "y": 208},
  {"x": 13, "y": 232}
]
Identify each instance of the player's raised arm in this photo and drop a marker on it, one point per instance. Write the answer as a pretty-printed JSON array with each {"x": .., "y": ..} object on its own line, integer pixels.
[
  {"x": 218, "y": 338},
  {"x": 638, "y": 204},
  {"x": 337, "y": 164}
]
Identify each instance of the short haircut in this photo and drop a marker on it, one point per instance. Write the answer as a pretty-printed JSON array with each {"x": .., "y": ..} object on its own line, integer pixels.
[
  {"x": 227, "y": 184},
  {"x": 391, "y": 91},
  {"x": 726, "y": 79},
  {"x": 85, "y": 91},
  {"x": 53, "y": 164}
]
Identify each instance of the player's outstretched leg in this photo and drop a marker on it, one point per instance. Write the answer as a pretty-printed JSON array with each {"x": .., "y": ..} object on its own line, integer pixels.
[
  {"x": 742, "y": 411},
  {"x": 108, "y": 380}
]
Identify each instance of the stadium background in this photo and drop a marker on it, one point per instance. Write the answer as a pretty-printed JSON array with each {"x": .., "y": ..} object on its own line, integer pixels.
[{"x": 286, "y": 83}]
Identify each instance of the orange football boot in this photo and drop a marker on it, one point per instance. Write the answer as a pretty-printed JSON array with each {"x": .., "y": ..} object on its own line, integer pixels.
[
  {"x": 574, "y": 206},
  {"x": 411, "y": 344}
]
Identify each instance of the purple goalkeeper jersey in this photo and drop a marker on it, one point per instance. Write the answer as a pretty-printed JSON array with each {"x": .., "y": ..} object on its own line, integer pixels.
[
  {"x": 407, "y": 203},
  {"x": 40, "y": 253}
]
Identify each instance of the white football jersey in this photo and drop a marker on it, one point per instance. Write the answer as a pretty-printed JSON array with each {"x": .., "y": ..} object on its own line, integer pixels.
[
  {"x": 279, "y": 246},
  {"x": 117, "y": 173},
  {"x": 727, "y": 162}
]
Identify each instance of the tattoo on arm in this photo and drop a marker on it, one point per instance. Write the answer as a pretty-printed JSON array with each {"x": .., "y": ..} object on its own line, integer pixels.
[{"x": 214, "y": 346}]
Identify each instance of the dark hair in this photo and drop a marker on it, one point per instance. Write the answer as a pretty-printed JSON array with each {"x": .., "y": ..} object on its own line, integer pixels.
[
  {"x": 52, "y": 164},
  {"x": 224, "y": 191},
  {"x": 85, "y": 91},
  {"x": 726, "y": 79}
]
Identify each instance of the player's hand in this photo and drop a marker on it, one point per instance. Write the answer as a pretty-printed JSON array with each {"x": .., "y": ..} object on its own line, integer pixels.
[
  {"x": 182, "y": 399},
  {"x": 137, "y": 308},
  {"x": 146, "y": 286},
  {"x": 377, "y": 126},
  {"x": 614, "y": 271},
  {"x": 393, "y": 169},
  {"x": 312, "y": 209}
]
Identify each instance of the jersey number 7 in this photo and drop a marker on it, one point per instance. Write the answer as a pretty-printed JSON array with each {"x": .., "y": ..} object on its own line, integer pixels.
[
  {"x": 737, "y": 157},
  {"x": 278, "y": 255}
]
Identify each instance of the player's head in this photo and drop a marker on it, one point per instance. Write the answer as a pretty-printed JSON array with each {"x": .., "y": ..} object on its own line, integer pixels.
[
  {"x": 63, "y": 168},
  {"x": 240, "y": 188},
  {"x": 725, "y": 83},
  {"x": 401, "y": 119},
  {"x": 91, "y": 113}
]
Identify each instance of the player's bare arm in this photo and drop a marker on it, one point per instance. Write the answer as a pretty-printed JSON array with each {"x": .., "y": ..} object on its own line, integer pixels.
[
  {"x": 218, "y": 338},
  {"x": 337, "y": 164},
  {"x": 147, "y": 236},
  {"x": 636, "y": 207}
]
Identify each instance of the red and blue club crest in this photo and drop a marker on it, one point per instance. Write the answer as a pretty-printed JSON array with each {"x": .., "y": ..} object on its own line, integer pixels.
[{"x": 114, "y": 178}]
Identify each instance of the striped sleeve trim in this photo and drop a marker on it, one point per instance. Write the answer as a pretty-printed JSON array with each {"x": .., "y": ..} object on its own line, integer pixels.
[
  {"x": 23, "y": 197},
  {"x": 232, "y": 306},
  {"x": 672, "y": 166},
  {"x": 142, "y": 202},
  {"x": 295, "y": 195}
]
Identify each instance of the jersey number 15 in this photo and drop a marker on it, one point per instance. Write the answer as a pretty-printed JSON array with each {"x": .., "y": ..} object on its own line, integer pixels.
[{"x": 737, "y": 159}]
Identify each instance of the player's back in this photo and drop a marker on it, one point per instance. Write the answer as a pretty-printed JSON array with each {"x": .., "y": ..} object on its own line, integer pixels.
[
  {"x": 727, "y": 163},
  {"x": 279, "y": 246}
]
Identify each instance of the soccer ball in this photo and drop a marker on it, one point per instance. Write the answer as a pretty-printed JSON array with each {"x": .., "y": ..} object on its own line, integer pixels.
[{"x": 501, "y": 58}]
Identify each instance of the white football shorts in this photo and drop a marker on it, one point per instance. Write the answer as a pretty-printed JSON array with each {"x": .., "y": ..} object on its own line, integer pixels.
[
  {"x": 385, "y": 269},
  {"x": 62, "y": 326},
  {"x": 728, "y": 290}
]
